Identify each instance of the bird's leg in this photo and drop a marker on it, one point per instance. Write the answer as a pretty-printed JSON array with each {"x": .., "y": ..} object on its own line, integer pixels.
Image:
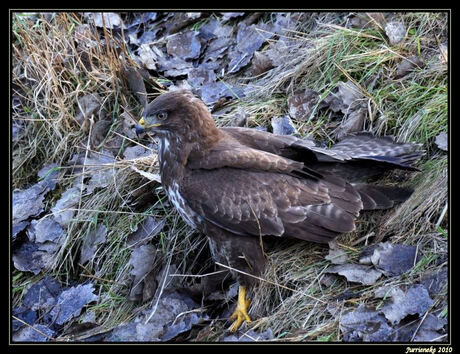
[{"x": 241, "y": 312}]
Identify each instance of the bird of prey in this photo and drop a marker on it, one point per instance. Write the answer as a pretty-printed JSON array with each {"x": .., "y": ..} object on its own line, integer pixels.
[{"x": 239, "y": 185}]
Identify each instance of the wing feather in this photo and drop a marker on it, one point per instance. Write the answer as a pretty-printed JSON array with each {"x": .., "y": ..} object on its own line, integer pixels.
[{"x": 266, "y": 203}]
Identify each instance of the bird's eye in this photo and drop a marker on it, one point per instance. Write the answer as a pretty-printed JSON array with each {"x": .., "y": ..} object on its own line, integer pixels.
[{"x": 162, "y": 115}]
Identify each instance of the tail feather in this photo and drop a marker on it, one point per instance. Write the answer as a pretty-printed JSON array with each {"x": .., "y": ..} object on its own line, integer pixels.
[
  {"x": 366, "y": 146},
  {"x": 382, "y": 197}
]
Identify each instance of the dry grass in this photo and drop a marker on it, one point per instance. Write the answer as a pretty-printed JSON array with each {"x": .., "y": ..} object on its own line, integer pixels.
[{"x": 50, "y": 71}]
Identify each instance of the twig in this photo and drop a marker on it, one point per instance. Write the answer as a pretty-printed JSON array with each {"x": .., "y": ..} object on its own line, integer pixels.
[
  {"x": 370, "y": 234},
  {"x": 133, "y": 141},
  {"x": 348, "y": 247},
  {"x": 423, "y": 319},
  {"x": 197, "y": 275},
  {"x": 163, "y": 285},
  {"x": 444, "y": 210},
  {"x": 101, "y": 279},
  {"x": 35, "y": 329}
]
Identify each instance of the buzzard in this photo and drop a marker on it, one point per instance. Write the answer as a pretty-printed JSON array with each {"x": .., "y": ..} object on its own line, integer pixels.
[{"x": 239, "y": 185}]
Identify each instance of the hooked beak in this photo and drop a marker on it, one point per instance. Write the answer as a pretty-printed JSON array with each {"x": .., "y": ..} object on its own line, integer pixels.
[{"x": 141, "y": 126}]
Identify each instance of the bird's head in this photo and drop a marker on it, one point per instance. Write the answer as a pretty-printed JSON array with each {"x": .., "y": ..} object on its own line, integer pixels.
[{"x": 179, "y": 113}]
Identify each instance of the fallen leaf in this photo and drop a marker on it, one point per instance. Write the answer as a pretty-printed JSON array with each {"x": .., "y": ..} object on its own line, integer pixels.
[
  {"x": 228, "y": 15},
  {"x": 71, "y": 302},
  {"x": 337, "y": 256},
  {"x": 49, "y": 175},
  {"x": 25, "y": 314},
  {"x": 142, "y": 261},
  {"x": 356, "y": 273},
  {"x": 184, "y": 45},
  {"x": 249, "y": 336},
  {"x": 141, "y": 18},
  {"x": 200, "y": 76},
  {"x": 248, "y": 40},
  {"x": 425, "y": 329},
  {"x": 442, "y": 141},
  {"x": 148, "y": 56},
  {"x": 175, "y": 21},
  {"x": 69, "y": 199},
  {"x": 352, "y": 122},
  {"x": 99, "y": 132},
  {"x": 429, "y": 329},
  {"x": 42, "y": 295},
  {"x": 146, "y": 37},
  {"x": 301, "y": 104},
  {"x": 88, "y": 317},
  {"x": 105, "y": 19},
  {"x": 129, "y": 125},
  {"x": 211, "y": 93},
  {"x": 435, "y": 282},
  {"x": 174, "y": 67},
  {"x": 283, "y": 126},
  {"x": 240, "y": 119},
  {"x": 93, "y": 239},
  {"x": 29, "y": 258},
  {"x": 27, "y": 203},
  {"x": 395, "y": 31},
  {"x": 391, "y": 259},
  {"x": 346, "y": 99},
  {"x": 136, "y": 83},
  {"x": 87, "y": 106},
  {"x": 260, "y": 64},
  {"x": 365, "y": 324},
  {"x": 220, "y": 38},
  {"x": 278, "y": 50},
  {"x": 29, "y": 334},
  {"x": 45, "y": 229},
  {"x": 136, "y": 151},
  {"x": 174, "y": 314},
  {"x": 415, "y": 300},
  {"x": 98, "y": 170},
  {"x": 18, "y": 227},
  {"x": 146, "y": 230},
  {"x": 408, "y": 65}
]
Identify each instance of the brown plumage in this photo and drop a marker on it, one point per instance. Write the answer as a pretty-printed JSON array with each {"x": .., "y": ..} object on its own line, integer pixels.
[{"x": 238, "y": 185}]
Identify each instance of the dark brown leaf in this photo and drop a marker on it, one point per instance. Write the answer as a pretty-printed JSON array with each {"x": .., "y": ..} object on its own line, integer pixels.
[
  {"x": 353, "y": 122},
  {"x": 301, "y": 104},
  {"x": 408, "y": 65},
  {"x": 136, "y": 83},
  {"x": 260, "y": 63}
]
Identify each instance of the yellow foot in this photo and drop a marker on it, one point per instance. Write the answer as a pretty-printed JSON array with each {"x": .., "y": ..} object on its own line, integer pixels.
[{"x": 241, "y": 312}]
